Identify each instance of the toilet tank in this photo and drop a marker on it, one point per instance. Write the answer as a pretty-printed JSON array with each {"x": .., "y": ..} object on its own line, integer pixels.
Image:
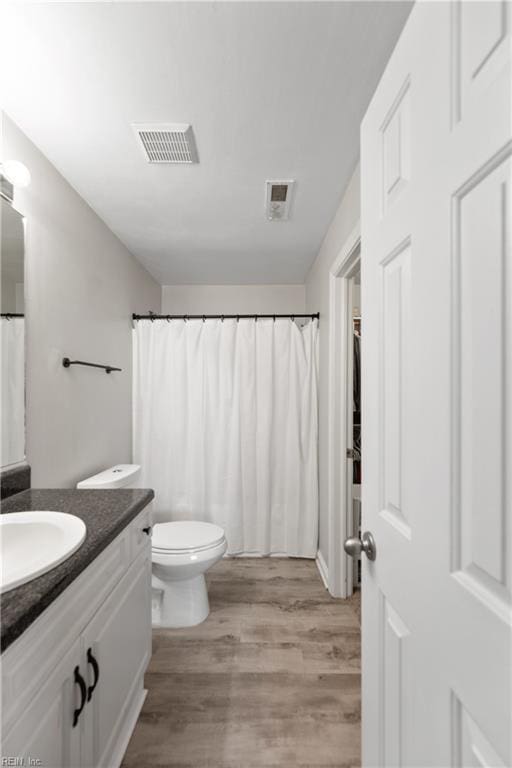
[{"x": 120, "y": 476}]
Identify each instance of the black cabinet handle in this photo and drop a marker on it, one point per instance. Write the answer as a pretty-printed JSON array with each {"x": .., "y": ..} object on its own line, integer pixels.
[
  {"x": 147, "y": 530},
  {"x": 96, "y": 669},
  {"x": 83, "y": 693}
]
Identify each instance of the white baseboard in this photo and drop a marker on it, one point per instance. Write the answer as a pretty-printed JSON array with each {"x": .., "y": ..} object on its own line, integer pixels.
[
  {"x": 280, "y": 555},
  {"x": 238, "y": 555},
  {"x": 322, "y": 569}
]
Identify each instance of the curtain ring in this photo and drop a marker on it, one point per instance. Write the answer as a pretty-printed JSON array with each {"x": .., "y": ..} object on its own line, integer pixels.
[
  {"x": 168, "y": 319},
  {"x": 255, "y": 318},
  {"x": 185, "y": 318},
  {"x": 238, "y": 318},
  {"x": 204, "y": 318},
  {"x": 222, "y": 318},
  {"x": 274, "y": 318},
  {"x": 293, "y": 318}
]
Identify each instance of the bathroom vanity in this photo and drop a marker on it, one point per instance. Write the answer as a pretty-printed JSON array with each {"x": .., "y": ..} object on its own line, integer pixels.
[{"x": 76, "y": 641}]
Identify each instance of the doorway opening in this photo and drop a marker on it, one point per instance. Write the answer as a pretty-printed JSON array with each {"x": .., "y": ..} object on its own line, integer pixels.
[
  {"x": 354, "y": 455},
  {"x": 345, "y": 421}
]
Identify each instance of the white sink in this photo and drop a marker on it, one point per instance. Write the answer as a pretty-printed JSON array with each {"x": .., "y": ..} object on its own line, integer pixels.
[{"x": 32, "y": 543}]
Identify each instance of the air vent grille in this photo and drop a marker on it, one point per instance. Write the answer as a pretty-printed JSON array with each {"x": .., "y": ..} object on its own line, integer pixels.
[
  {"x": 278, "y": 199},
  {"x": 168, "y": 143}
]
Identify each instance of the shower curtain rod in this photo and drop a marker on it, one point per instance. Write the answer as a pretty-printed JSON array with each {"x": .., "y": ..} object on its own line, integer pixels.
[{"x": 152, "y": 316}]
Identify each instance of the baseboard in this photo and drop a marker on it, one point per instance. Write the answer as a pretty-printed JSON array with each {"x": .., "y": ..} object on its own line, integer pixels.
[
  {"x": 279, "y": 555},
  {"x": 238, "y": 555},
  {"x": 322, "y": 569}
]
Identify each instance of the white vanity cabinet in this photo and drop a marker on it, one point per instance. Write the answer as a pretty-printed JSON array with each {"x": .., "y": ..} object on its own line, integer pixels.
[
  {"x": 72, "y": 684},
  {"x": 118, "y": 638},
  {"x": 45, "y": 730}
]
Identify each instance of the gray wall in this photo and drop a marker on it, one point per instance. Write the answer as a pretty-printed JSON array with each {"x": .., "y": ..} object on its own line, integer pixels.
[
  {"x": 233, "y": 299},
  {"x": 317, "y": 299},
  {"x": 82, "y": 285}
]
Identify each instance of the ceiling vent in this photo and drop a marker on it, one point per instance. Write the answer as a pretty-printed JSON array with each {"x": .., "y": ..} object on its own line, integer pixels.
[
  {"x": 278, "y": 199},
  {"x": 167, "y": 142}
]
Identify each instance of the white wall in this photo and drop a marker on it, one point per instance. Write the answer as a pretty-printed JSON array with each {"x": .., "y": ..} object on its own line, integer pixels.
[
  {"x": 317, "y": 299},
  {"x": 233, "y": 299},
  {"x": 82, "y": 285}
]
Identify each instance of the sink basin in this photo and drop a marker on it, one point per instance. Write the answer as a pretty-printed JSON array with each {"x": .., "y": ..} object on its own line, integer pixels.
[{"x": 32, "y": 543}]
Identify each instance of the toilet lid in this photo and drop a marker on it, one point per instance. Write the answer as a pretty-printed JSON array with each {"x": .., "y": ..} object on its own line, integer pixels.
[{"x": 185, "y": 535}]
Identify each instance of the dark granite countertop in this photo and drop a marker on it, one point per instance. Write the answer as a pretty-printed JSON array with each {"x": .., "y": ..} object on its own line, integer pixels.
[{"x": 105, "y": 514}]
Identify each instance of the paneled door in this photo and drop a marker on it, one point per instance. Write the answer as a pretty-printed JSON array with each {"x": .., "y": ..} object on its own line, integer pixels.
[
  {"x": 437, "y": 393},
  {"x": 117, "y": 647}
]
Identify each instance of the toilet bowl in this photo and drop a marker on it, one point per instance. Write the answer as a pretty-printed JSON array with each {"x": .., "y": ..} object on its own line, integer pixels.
[{"x": 181, "y": 553}]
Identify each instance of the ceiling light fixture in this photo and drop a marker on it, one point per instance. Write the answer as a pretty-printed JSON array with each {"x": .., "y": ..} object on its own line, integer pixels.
[{"x": 17, "y": 173}]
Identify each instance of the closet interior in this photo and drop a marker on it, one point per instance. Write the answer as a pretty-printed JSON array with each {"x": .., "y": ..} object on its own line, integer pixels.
[{"x": 356, "y": 418}]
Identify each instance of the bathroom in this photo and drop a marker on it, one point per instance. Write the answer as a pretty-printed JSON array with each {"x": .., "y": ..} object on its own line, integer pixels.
[{"x": 216, "y": 350}]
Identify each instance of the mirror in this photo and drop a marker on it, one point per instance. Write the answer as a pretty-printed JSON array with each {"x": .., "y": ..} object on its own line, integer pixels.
[{"x": 12, "y": 349}]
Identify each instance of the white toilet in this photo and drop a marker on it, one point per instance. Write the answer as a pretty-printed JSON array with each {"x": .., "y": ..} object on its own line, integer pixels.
[{"x": 182, "y": 552}]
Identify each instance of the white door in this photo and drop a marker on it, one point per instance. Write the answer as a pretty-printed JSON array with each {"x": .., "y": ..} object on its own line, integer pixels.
[
  {"x": 49, "y": 732},
  {"x": 437, "y": 393},
  {"x": 117, "y": 647}
]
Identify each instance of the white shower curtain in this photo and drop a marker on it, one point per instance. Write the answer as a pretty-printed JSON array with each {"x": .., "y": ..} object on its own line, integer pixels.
[
  {"x": 225, "y": 428},
  {"x": 12, "y": 366}
]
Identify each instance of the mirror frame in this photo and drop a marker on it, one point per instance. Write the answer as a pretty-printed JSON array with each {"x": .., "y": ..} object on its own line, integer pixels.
[{"x": 7, "y": 196}]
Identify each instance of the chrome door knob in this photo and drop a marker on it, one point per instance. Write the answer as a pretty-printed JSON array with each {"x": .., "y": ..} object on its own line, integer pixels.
[{"x": 366, "y": 544}]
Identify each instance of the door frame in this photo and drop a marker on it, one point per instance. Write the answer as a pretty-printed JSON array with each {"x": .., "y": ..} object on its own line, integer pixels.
[{"x": 340, "y": 574}]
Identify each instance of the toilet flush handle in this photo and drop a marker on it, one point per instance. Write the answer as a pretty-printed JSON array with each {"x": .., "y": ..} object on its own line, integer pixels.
[{"x": 147, "y": 530}]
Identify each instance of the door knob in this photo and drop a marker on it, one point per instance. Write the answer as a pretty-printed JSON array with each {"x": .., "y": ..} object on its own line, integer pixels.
[{"x": 366, "y": 544}]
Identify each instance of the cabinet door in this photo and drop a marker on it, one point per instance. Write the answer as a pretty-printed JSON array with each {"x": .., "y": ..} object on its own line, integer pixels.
[
  {"x": 45, "y": 734},
  {"x": 119, "y": 641}
]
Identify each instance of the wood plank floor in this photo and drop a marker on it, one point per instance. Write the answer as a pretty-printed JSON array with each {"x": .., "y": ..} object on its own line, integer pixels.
[{"x": 272, "y": 678}]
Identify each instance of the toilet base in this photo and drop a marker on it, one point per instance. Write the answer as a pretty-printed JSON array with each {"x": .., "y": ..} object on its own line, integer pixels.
[{"x": 180, "y": 603}]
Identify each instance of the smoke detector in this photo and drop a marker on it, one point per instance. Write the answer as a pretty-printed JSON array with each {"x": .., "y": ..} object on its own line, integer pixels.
[
  {"x": 278, "y": 199},
  {"x": 167, "y": 142}
]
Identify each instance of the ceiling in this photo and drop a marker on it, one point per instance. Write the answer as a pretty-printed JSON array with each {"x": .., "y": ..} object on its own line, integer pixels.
[{"x": 273, "y": 90}]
